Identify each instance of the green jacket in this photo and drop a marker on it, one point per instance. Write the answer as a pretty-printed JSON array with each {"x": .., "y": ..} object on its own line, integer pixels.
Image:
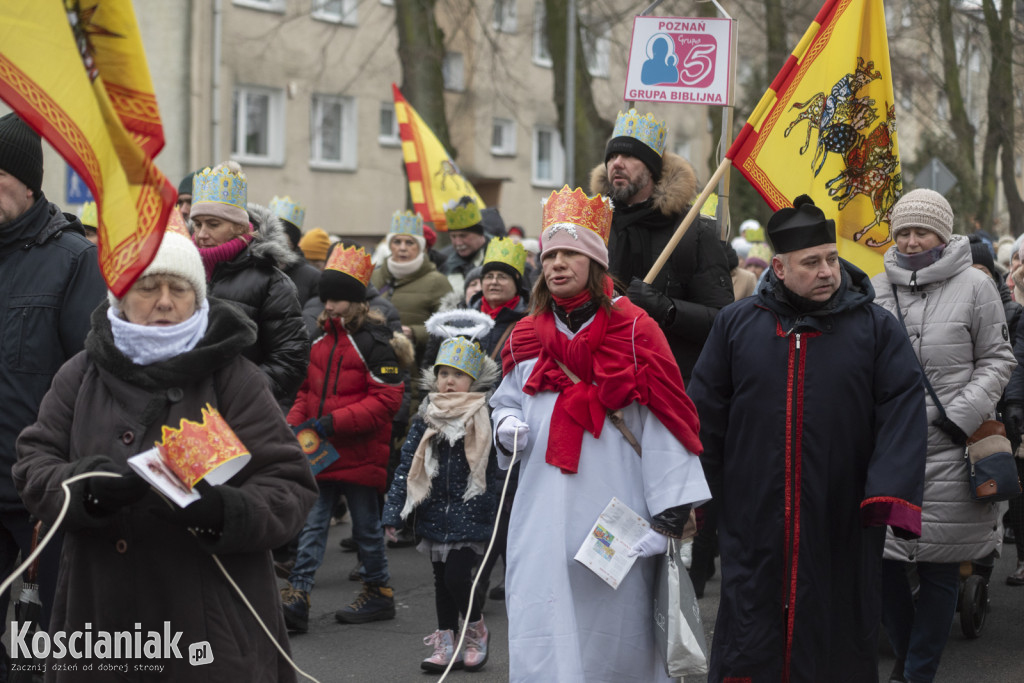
[{"x": 416, "y": 297}]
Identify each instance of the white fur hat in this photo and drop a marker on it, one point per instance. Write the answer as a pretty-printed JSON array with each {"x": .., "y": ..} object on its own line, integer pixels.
[{"x": 177, "y": 256}]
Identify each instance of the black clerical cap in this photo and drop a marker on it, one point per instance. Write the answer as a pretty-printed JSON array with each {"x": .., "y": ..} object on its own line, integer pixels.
[{"x": 802, "y": 226}]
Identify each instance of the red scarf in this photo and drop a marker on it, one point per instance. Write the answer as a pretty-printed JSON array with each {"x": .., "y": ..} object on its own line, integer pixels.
[
  {"x": 619, "y": 358},
  {"x": 493, "y": 312}
]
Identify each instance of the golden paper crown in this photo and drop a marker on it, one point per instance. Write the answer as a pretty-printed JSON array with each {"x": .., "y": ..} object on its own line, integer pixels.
[
  {"x": 353, "y": 261},
  {"x": 571, "y": 209},
  {"x": 175, "y": 223},
  {"x": 644, "y": 128},
  {"x": 461, "y": 354},
  {"x": 288, "y": 209},
  {"x": 194, "y": 449},
  {"x": 507, "y": 251},
  {"x": 462, "y": 217},
  {"x": 407, "y": 223},
  {"x": 88, "y": 215},
  {"x": 220, "y": 186}
]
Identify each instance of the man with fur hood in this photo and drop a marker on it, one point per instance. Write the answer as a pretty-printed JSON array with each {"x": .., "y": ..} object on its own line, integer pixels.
[{"x": 651, "y": 191}]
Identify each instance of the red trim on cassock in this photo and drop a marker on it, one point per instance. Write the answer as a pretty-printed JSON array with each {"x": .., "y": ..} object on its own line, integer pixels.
[{"x": 895, "y": 512}]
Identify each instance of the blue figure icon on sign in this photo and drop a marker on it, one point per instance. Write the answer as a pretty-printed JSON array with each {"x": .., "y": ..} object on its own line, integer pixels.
[{"x": 660, "y": 66}]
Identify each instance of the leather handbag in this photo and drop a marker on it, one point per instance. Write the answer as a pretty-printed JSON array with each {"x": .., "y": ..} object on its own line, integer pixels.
[{"x": 990, "y": 465}]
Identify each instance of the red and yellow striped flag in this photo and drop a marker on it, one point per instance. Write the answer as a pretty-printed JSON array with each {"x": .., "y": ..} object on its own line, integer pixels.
[
  {"x": 434, "y": 179},
  {"x": 827, "y": 128},
  {"x": 78, "y": 76}
]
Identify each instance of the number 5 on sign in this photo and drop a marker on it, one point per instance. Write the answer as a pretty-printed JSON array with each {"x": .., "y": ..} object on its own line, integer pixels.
[{"x": 678, "y": 59}]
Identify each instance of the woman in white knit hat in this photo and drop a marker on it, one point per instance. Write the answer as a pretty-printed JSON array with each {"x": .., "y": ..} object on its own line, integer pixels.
[
  {"x": 131, "y": 562},
  {"x": 955, "y": 321}
]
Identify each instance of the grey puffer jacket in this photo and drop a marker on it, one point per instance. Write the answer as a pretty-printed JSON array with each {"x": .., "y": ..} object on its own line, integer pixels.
[{"x": 958, "y": 330}]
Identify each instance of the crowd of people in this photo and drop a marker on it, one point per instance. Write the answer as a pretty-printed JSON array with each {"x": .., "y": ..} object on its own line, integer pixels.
[{"x": 809, "y": 418}]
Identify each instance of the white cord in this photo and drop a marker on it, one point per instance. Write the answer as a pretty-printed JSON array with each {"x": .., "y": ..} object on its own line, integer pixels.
[
  {"x": 60, "y": 518},
  {"x": 487, "y": 554}
]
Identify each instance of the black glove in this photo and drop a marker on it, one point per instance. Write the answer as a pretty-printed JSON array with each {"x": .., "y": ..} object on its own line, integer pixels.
[
  {"x": 657, "y": 305},
  {"x": 107, "y": 495},
  {"x": 205, "y": 516},
  {"x": 1013, "y": 420},
  {"x": 955, "y": 434},
  {"x": 325, "y": 426},
  {"x": 672, "y": 521}
]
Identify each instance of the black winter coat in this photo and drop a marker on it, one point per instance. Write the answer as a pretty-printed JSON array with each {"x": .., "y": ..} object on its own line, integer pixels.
[
  {"x": 136, "y": 566},
  {"x": 266, "y": 295},
  {"x": 305, "y": 277},
  {"x": 49, "y": 284},
  {"x": 696, "y": 278},
  {"x": 443, "y": 516}
]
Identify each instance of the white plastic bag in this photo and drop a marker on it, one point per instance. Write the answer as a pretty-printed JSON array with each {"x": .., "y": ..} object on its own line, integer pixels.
[{"x": 677, "y": 624}]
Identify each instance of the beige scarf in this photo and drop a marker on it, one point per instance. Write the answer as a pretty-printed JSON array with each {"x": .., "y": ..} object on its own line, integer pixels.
[{"x": 453, "y": 416}]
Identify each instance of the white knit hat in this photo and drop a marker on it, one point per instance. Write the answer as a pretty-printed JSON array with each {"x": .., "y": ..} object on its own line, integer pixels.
[
  {"x": 177, "y": 256},
  {"x": 926, "y": 209}
]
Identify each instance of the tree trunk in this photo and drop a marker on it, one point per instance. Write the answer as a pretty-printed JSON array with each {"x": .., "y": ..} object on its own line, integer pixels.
[
  {"x": 1001, "y": 107},
  {"x": 775, "y": 29},
  {"x": 592, "y": 130},
  {"x": 421, "y": 54},
  {"x": 963, "y": 164}
]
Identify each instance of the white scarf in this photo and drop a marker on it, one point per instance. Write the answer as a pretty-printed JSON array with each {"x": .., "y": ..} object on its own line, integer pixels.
[
  {"x": 404, "y": 270},
  {"x": 145, "y": 345}
]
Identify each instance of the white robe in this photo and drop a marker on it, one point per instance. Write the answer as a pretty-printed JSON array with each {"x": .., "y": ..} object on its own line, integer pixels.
[{"x": 565, "y": 623}]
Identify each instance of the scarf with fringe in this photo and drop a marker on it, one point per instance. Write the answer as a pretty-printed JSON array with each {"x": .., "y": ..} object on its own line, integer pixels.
[{"x": 453, "y": 416}]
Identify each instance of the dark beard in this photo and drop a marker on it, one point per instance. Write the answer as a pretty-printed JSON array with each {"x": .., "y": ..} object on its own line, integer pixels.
[{"x": 622, "y": 194}]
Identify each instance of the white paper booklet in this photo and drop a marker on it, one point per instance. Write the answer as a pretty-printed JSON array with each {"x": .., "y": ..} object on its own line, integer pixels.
[
  {"x": 604, "y": 550},
  {"x": 152, "y": 468}
]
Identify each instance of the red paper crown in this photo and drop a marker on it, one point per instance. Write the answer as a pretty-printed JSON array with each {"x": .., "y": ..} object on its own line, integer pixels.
[
  {"x": 574, "y": 207},
  {"x": 352, "y": 261},
  {"x": 195, "y": 449},
  {"x": 175, "y": 223}
]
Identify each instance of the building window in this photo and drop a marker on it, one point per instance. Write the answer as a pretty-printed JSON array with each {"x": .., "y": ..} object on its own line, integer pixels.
[
  {"x": 333, "y": 132},
  {"x": 453, "y": 72},
  {"x": 541, "y": 53},
  {"x": 336, "y": 11},
  {"x": 505, "y": 16},
  {"x": 258, "y": 115},
  {"x": 388, "y": 132},
  {"x": 548, "y": 157},
  {"x": 596, "y": 47},
  {"x": 503, "y": 138},
  {"x": 388, "y": 3},
  {"x": 266, "y": 5}
]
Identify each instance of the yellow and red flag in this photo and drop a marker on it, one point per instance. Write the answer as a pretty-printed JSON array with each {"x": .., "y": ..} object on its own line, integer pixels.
[
  {"x": 434, "y": 179},
  {"x": 827, "y": 128},
  {"x": 78, "y": 76}
]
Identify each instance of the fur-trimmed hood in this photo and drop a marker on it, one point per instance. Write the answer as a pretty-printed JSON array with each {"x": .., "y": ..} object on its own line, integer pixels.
[
  {"x": 676, "y": 189},
  {"x": 270, "y": 241},
  {"x": 490, "y": 375}
]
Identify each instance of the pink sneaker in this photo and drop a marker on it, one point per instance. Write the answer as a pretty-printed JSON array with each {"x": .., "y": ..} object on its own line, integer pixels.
[
  {"x": 476, "y": 645},
  {"x": 444, "y": 648}
]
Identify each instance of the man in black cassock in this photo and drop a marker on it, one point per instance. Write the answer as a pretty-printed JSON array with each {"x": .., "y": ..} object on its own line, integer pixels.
[{"x": 814, "y": 430}]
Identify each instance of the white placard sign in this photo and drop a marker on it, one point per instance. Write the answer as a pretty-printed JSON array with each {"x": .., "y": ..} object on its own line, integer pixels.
[{"x": 680, "y": 59}]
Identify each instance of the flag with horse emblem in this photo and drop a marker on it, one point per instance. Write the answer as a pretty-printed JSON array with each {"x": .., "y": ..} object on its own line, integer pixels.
[
  {"x": 76, "y": 72},
  {"x": 827, "y": 128},
  {"x": 434, "y": 179}
]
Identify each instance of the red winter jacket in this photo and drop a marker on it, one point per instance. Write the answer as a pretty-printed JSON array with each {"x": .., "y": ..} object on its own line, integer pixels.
[{"x": 355, "y": 378}]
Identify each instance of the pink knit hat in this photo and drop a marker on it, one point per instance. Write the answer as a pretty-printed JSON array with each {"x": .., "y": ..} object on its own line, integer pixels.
[{"x": 575, "y": 222}]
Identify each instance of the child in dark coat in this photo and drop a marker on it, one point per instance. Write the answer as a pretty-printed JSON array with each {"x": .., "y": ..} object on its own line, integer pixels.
[{"x": 448, "y": 475}]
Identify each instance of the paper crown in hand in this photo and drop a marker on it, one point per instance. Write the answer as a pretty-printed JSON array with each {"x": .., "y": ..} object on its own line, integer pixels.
[
  {"x": 462, "y": 213},
  {"x": 507, "y": 251},
  {"x": 352, "y": 261},
  {"x": 568, "y": 210},
  {"x": 407, "y": 223},
  {"x": 645, "y": 128},
  {"x": 195, "y": 449},
  {"x": 288, "y": 209},
  {"x": 221, "y": 186},
  {"x": 461, "y": 354}
]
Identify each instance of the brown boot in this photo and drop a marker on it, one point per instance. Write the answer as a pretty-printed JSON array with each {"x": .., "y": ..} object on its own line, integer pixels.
[{"x": 1017, "y": 577}]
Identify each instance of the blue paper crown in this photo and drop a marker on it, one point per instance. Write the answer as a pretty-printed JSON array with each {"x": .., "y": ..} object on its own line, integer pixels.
[
  {"x": 407, "y": 223},
  {"x": 461, "y": 354},
  {"x": 644, "y": 128},
  {"x": 220, "y": 186},
  {"x": 288, "y": 209}
]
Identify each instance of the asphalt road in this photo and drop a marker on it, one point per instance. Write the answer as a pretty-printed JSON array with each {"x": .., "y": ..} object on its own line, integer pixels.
[{"x": 392, "y": 650}]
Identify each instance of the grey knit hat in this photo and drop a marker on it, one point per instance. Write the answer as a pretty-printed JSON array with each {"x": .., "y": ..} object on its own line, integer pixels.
[{"x": 923, "y": 209}]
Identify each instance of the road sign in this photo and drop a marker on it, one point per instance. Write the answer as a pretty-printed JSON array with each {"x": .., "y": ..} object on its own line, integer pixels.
[
  {"x": 935, "y": 176},
  {"x": 75, "y": 190},
  {"x": 680, "y": 59}
]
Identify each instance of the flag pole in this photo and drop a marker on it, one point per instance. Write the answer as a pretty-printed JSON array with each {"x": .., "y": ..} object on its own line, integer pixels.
[{"x": 691, "y": 215}]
